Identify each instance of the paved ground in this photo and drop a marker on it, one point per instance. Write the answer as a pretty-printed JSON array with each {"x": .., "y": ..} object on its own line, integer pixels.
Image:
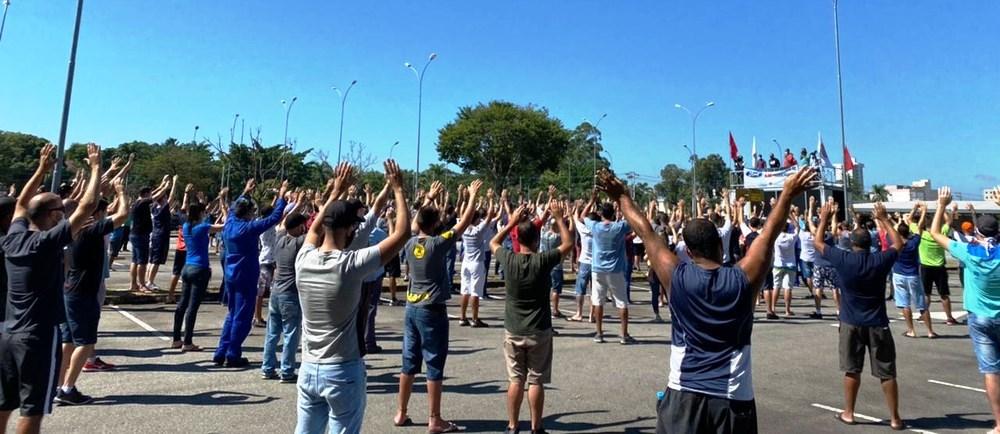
[{"x": 597, "y": 388}]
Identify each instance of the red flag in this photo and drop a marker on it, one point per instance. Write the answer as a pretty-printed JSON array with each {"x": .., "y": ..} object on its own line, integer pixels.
[
  {"x": 733, "y": 152},
  {"x": 848, "y": 161}
]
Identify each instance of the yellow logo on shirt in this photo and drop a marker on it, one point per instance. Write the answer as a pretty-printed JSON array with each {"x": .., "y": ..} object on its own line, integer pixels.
[{"x": 419, "y": 251}]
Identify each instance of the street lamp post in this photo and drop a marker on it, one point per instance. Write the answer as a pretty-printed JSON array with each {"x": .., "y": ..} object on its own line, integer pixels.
[
  {"x": 194, "y": 138},
  {"x": 392, "y": 148},
  {"x": 343, "y": 102},
  {"x": 779, "y": 155},
  {"x": 694, "y": 152},
  {"x": 840, "y": 93},
  {"x": 420, "y": 103},
  {"x": 232, "y": 131},
  {"x": 3, "y": 21},
  {"x": 599, "y": 136},
  {"x": 288, "y": 112},
  {"x": 60, "y": 153}
]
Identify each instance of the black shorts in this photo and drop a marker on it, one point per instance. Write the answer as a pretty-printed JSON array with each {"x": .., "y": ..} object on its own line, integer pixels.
[
  {"x": 937, "y": 276},
  {"x": 180, "y": 257},
  {"x": 689, "y": 412},
  {"x": 83, "y": 314},
  {"x": 393, "y": 268},
  {"x": 854, "y": 340},
  {"x": 159, "y": 248},
  {"x": 29, "y": 364}
]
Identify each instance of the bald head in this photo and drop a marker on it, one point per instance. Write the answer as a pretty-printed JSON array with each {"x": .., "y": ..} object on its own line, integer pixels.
[{"x": 41, "y": 204}]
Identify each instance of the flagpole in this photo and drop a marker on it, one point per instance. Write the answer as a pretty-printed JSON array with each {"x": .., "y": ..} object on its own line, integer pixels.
[{"x": 840, "y": 92}]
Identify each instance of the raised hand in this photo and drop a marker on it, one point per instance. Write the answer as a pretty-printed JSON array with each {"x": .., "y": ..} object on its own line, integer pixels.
[
  {"x": 47, "y": 157},
  {"x": 880, "y": 211},
  {"x": 828, "y": 210},
  {"x": 610, "y": 184},
  {"x": 250, "y": 186},
  {"x": 996, "y": 195},
  {"x": 188, "y": 188},
  {"x": 343, "y": 175},
  {"x": 474, "y": 187},
  {"x": 94, "y": 156},
  {"x": 283, "y": 189},
  {"x": 393, "y": 176},
  {"x": 800, "y": 181},
  {"x": 556, "y": 208},
  {"x": 119, "y": 185},
  {"x": 944, "y": 196}
]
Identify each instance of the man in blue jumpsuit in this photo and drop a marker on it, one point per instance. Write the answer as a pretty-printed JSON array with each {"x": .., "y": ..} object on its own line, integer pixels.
[{"x": 241, "y": 233}]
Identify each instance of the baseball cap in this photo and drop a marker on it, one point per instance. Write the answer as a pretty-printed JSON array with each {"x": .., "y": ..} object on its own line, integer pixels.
[
  {"x": 342, "y": 214},
  {"x": 987, "y": 226},
  {"x": 967, "y": 227}
]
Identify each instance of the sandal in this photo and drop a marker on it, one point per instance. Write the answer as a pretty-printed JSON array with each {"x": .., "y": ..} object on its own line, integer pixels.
[
  {"x": 191, "y": 348},
  {"x": 932, "y": 336},
  {"x": 952, "y": 322},
  {"x": 404, "y": 422},
  {"x": 909, "y": 335},
  {"x": 839, "y": 417},
  {"x": 176, "y": 345},
  {"x": 574, "y": 318},
  {"x": 450, "y": 428},
  {"x": 900, "y": 427}
]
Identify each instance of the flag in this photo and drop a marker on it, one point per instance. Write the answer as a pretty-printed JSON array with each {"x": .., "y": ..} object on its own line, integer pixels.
[
  {"x": 824, "y": 159},
  {"x": 848, "y": 161},
  {"x": 753, "y": 149},
  {"x": 733, "y": 151}
]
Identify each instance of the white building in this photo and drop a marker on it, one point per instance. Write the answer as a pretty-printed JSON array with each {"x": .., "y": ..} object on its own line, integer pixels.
[
  {"x": 919, "y": 190},
  {"x": 990, "y": 195}
]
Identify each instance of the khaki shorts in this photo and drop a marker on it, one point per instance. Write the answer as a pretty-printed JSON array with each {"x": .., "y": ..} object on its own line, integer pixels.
[{"x": 529, "y": 358}]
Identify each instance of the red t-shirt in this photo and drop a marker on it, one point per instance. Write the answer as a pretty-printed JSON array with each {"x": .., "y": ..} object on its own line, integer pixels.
[
  {"x": 181, "y": 245},
  {"x": 790, "y": 160},
  {"x": 513, "y": 234}
]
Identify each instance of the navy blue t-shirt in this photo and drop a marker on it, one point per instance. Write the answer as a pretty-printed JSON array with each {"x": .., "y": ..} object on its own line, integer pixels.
[
  {"x": 712, "y": 314},
  {"x": 34, "y": 261},
  {"x": 908, "y": 263},
  {"x": 861, "y": 277},
  {"x": 820, "y": 261}
]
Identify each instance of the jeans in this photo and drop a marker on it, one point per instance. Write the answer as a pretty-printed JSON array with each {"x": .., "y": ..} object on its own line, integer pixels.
[
  {"x": 582, "y": 279},
  {"x": 425, "y": 340},
  {"x": 284, "y": 316},
  {"x": 331, "y": 397},
  {"x": 373, "y": 290},
  {"x": 985, "y": 334},
  {"x": 195, "y": 283},
  {"x": 449, "y": 264},
  {"x": 654, "y": 292}
]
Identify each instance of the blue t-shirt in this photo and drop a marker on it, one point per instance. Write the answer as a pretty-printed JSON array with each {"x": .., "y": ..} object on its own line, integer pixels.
[
  {"x": 908, "y": 263},
  {"x": 712, "y": 313},
  {"x": 376, "y": 236},
  {"x": 196, "y": 238},
  {"x": 861, "y": 279},
  {"x": 820, "y": 262},
  {"x": 982, "y": 277},
  {"x": 608, "y": 254}
]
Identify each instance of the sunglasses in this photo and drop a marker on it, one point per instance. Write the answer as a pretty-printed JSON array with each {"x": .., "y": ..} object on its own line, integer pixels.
[{"x": 61, "y": 208}]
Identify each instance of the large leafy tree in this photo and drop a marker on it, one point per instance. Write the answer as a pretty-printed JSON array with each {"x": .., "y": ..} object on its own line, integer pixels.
[
  {"x": 675, "y": 184},
  {"x": 504, "y": 142},
  {"x": 575, "y": 173},
  {"x": 18, "y": 156}
]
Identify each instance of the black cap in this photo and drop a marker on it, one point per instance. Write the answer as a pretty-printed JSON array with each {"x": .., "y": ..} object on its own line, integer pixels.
[
  {"x": 342, "y": 214},
  {"x": 987, "y": 226}
]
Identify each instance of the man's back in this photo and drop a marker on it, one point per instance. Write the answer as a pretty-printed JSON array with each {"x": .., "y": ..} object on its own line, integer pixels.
[
  {"x": 982, "y": 277},
  {"x": 608, "y": 246},
  {"x": 712, "y": 322},
  {"x": 861, "y": 276},
  {"x": 526, "y": 279},
  {"x": 34, "y": 276},
  {"x": 425, "y": 257}
]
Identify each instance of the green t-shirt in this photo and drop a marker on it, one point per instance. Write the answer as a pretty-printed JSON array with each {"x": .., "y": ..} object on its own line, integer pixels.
[
  {"x": 527, "y": 281},
  {"x": 931, "y": 254}
]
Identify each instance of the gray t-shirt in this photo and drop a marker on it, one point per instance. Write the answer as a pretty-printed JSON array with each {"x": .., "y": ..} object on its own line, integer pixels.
[
  {"x": 364, "y": 230},
  {"x": 472, "y": 242},
  {"x": 330, "y": 294},
  {"x": 286, "y": 249},
  {"x": 550, "y": 240},
  {"x": 428, "y": 277}
]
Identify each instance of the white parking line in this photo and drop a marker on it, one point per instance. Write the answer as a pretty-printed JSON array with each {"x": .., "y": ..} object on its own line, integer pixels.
[
  {"x": 957, "y": 386},
  {"x": 139, "y": 322},
  {"x": 868, "y": 418}
]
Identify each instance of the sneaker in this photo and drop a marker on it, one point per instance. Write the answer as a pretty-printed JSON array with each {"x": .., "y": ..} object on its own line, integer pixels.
[
  {"x": 510, "y": 430},
  {"x": 658, "y": 319},
  {"x": 479, "y": 324},
  {"x": 289, "y": 379},
  {"x": 259, "y": 323},
  {"x": 97, "y": 365},
  {"x": 816, "y": 315},
  {"x": 463, "y": 323},
  {"x": 772, "y": 316},
  {"x": 241, "y": 362},
  {"x": 73, "y": 397},
  {"x": 269, "y": 375},
  {"x": 627, "y": 340},
  {"x": 598, "y": 338}
]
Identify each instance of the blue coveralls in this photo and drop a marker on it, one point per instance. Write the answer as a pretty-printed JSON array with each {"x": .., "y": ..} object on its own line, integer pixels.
[{"x": 241, "y": 272}]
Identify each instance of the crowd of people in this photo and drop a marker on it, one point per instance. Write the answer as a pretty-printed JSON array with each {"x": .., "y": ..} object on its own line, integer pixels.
[{"x": 316, "y": 259}]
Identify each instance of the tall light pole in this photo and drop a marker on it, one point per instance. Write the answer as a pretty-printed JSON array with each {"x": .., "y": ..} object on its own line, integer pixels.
[
  {"x": 60, "y": 153},
  {"x": 3, "y": 21},
  {"x": 840, "y": 93},
  {"x": 420, "y": 102},
  {"x": 694, "y": 152},
  {"x": 232, "y": 131},
  {"x": 594, "y": 145},
  {"x": 194, "y": 138},
  {"x": 693, "y": 160},
  {"x": 780, "y": 155},
  {"x": 392, "y": 148},
  {"x": 288, "y": 112},
  {"x": 343, "y": 102}
]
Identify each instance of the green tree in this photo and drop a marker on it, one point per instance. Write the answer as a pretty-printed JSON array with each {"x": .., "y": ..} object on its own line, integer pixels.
[
  {"x": 879, "y": 193},
  {"x": 503, "y": 142},
  {"x": 675, "y": 184},
  {"x": 575, "y": 173},
  {"x": 18, "y": 156},
  {"x": 712, "y": 174}
]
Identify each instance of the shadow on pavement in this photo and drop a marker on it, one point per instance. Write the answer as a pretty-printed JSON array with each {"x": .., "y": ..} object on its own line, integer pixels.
[
  {"x": 552, "y": 424},
  {"x": 388, "y": 383},
  {"x": 953, "y": 421},
  {"x": 217, "y": 397}
]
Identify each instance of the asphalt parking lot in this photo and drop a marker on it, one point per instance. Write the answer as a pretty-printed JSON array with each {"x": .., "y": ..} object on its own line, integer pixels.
[{"x": 596, "y": 387}]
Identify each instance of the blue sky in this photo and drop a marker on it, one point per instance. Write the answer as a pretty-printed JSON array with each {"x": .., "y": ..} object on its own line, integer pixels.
[{"x": 921, "y": 78}]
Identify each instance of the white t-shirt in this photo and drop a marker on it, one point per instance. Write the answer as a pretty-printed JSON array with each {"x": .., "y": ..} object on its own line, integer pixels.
[
  {"x": 681, "y": 251},
  {"x": 808, "y": 253},
  {"x": 329, "y": 286},
  {"x": 586, "y": 242},
  {"x": 784, "y": 250},
  {"x": 267, "y": 240}
]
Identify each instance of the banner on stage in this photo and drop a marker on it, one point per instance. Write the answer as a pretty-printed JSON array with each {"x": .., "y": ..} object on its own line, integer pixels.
[{"x": 775, "y": 179}]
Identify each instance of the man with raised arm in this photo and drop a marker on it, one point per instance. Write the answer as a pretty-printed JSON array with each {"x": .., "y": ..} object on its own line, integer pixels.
[
  {"x": 864, "y": 325},
  {"x": 332, "y": 381},
  {"x": 981, "y": 297},
  {"x": 425, "y": 322},
  {"x": 710, "y": 387},
  {"x": 241, "y": 234},
  {"x": 33, "y": 249},
  {"x": 527, "y": 344}
]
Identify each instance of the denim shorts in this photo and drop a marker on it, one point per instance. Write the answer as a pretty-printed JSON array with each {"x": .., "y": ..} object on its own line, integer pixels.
[
  {"x": 985, "y": 334},
  {"x": 909, "y": 292},
  {"x": 82, "y": 317},
  {"x": 582, "y": 279},
  {"x": 557, "y": 279},
  {"x": 806, "y": 269},
  {"x": 140, "y": 248},
  {"x": 425, "y": 340}
]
